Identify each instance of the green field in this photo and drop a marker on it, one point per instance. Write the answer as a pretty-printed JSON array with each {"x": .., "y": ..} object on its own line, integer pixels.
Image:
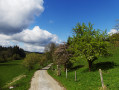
[
  {"x": 11, "y": 70},
  {"x": 91, "y": 80}
]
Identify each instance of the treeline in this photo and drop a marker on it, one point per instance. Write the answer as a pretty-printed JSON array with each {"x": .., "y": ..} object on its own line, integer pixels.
[
  {"x": 114, "y": 39},
  {"x": 11, "y": 53}
]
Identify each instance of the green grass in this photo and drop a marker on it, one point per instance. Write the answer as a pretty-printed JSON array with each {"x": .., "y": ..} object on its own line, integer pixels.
[
  {"x": 12, "y": 69},
  {"x": 91, "y": 80}
]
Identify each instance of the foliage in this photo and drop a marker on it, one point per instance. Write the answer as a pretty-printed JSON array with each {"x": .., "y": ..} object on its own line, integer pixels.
[
  {"x": 117, "y": 25},
  {"x": 16, "y": 57},
  {"x": 11, "y": 53},
  {"x": 114, "y": 39},
  {"x": 30, "y": 60},
  {"x": 62, "y": 56},
  {"x": 91, "y": 80},
  {"x": 88, "y": 43},
  {"x": 49, "y": 51}
]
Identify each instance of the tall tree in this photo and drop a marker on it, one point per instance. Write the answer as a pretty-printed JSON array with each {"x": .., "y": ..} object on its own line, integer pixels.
[
  {"x": 117, "y": 25},
  {"x": 88, "y": 43},
  {"x": 49, "y": 50}
]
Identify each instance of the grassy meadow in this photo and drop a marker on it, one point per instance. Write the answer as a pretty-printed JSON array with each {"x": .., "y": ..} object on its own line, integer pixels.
[
  {"x": 91, "y": 80},
  {"x": 12, "y": 70}
]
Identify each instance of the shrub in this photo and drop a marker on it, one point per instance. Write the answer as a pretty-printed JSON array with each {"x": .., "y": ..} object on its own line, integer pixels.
[{"x": 31, "y": 60}]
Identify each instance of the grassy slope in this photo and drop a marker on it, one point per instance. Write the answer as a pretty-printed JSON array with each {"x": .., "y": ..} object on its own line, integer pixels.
[
  {"x": 91, "y": 80},
  {"x": 12, "y": 69}
]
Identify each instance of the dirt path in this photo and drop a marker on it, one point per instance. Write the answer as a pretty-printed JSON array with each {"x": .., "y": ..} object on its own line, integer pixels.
[{"x": 43, "y": 81}]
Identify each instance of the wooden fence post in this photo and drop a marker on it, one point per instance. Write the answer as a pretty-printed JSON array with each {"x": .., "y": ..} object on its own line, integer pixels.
[
  {"x": 75, "y": 75},
  {"x": 57, "y": 70},
  {"x": 57, "y": 67},
  {"x": 100, "y": 71},
  {"x": 66, "y": 73}
]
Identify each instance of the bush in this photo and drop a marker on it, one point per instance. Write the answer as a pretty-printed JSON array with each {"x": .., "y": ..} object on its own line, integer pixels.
[
  {"x": 31, "y": 60},
  {"x": 16, "y": 57}
]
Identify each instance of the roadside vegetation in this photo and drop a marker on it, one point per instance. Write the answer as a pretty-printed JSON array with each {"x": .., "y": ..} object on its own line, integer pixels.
[
  {"x": 87, "y": 50},
  {"x": 13, "y": 73},
  {"x": 91, "y": 80},
  {"x": 17, "y": 74}
]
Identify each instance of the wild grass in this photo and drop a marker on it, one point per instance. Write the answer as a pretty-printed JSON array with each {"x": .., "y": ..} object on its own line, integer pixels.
[
  {"x": 91, "y": 80},
  {"x": 9, "y": 73}
]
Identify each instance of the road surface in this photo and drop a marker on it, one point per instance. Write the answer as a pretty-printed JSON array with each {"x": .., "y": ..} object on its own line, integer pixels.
[{"x": 43, "y": 81}]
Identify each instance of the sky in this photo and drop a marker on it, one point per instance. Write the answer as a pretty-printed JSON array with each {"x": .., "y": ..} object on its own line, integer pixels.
[{"x": 32, "y": 24}]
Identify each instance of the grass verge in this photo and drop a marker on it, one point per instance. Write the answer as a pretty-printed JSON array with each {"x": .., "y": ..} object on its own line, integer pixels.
[{"x": 14, "y": 74}]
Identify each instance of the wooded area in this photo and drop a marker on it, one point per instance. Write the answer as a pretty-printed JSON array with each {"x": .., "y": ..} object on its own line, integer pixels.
[{"x": 11, "y": 53}]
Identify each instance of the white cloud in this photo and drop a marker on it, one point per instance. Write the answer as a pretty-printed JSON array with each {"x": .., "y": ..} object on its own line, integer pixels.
[
  {"x": 15, "y": 15},
  {"x": 33, "y": 48},
  {"x": 4, "y": 40},
  {"x": 30, "y": 40},
  {"x": 112, "y": 31},
  {"x": 35, "y": 36},
  {"x": 4, "y": 37}
]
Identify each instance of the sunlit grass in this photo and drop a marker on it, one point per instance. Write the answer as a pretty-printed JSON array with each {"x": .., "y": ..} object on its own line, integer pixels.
[
  {"x": 11, "y": 70},
  {"x": 91, "y": 80}
]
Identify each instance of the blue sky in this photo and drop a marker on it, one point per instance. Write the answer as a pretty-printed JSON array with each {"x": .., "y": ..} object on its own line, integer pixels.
[
  {"x": 32, "y": 24},
  {"x": 64, "y": 15}
]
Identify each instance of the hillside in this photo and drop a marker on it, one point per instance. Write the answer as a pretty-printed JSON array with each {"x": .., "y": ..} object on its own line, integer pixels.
[
  {"x": 14, "y": 74},
  {"x": 91, "y": 80}
]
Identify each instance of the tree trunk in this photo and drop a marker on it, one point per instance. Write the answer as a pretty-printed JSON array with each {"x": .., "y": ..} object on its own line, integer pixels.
[
  {"x": 90, "y": 64},
  {"x": 64, "y": 67},
  {"x": 58, "y": 70}
]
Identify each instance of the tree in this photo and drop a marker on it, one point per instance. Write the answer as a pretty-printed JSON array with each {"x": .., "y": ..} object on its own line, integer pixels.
[
  {"x": 11, "y": 53},
  {"x": 88, "y": 43},
  {"x": 117, "y": 25},
  {"x": 19, "y": 51},
  {"x": 62, "y": 56},
  {"x": 49, "y": 51},
  {"x": 114, "y": 39}
]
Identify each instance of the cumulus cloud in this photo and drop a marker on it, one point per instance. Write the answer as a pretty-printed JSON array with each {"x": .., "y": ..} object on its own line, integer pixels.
[
  {"x": 33, "y": 48},
  {"x": 16, "y": 15},
  {"x": 4, "y": 37},
  {"x": 4, "y": 40},
  {"x": 112, "y": 31},
  {"x": 35, "y": 36},
  {"x": 32, "y": 40}
]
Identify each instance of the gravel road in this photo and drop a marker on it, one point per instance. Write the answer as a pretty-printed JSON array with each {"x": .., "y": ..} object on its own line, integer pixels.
[{"x": 43, "y": 81}]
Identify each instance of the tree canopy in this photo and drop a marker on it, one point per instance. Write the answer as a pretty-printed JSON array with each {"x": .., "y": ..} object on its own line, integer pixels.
[
  {"x": 62, "y": 56},
  {"x": 11, "y": 53},
  {"x": 88, "y": 43}
]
